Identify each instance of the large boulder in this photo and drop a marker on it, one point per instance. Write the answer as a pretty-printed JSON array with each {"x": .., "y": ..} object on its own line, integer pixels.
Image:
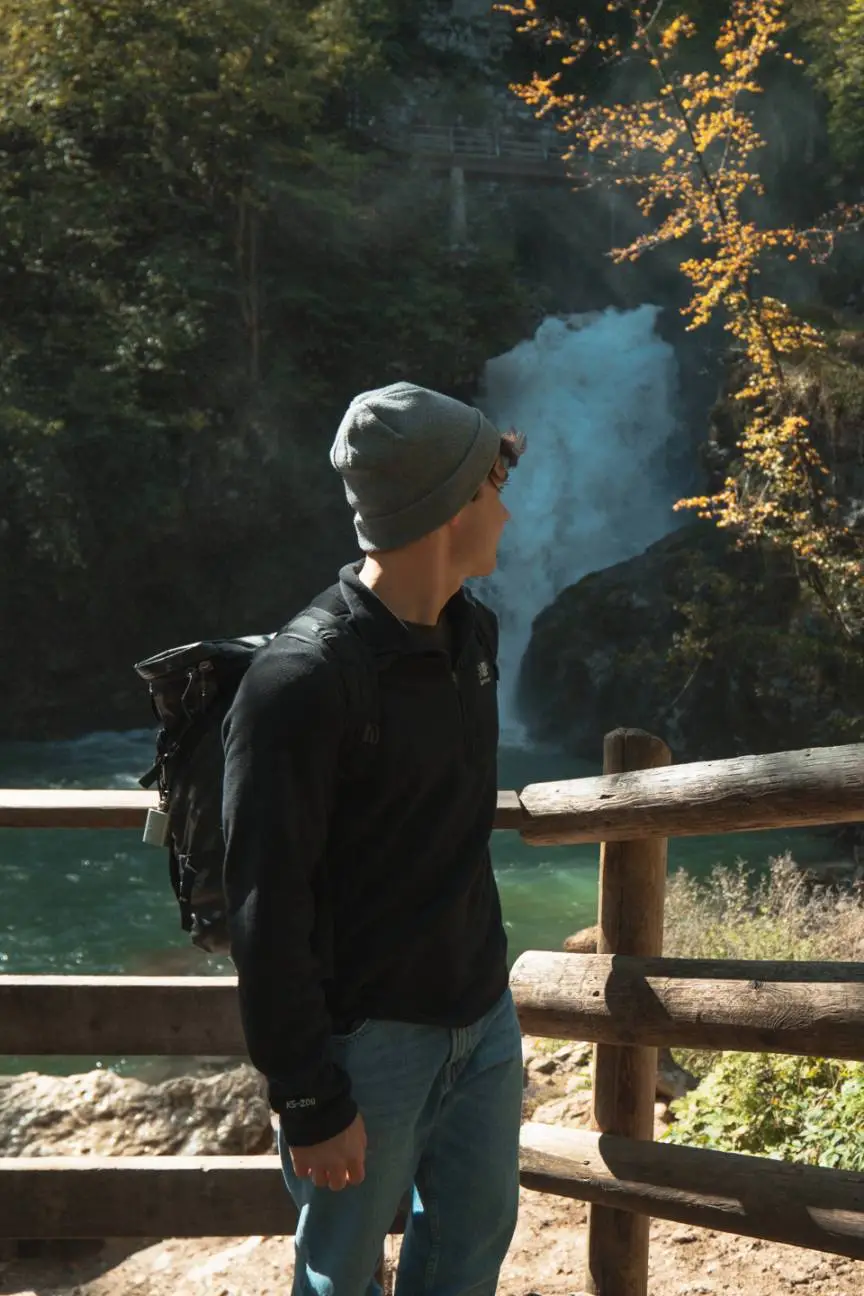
[
  {"x": 102, "y": 1114},
  {"x": 718, "y": 650},
  {"x": 582, "y": 942}
]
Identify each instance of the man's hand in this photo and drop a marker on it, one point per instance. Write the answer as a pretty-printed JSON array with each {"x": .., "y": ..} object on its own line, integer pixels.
[{"x": 335, "y": 1163}]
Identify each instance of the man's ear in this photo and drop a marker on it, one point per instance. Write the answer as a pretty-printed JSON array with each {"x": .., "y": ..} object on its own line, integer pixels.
[{"x": 458, "y": 518}]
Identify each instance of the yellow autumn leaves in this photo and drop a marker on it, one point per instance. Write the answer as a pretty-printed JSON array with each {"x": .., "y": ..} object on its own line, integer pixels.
[{"x": 686, "y": 147}]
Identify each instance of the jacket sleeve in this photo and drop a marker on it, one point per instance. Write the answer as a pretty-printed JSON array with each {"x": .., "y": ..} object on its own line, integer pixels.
[{"x": 282, "y": 739}]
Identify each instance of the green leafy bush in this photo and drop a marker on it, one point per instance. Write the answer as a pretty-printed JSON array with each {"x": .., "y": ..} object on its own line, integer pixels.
[{"x": 807, "y": 1110}]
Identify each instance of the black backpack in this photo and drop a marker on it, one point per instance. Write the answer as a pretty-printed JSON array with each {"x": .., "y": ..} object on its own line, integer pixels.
[{"x": 191, "y": 690}]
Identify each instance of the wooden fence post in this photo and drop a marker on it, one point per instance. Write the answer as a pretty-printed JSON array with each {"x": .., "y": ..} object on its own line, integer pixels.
[{"x": 630, "y": 921}]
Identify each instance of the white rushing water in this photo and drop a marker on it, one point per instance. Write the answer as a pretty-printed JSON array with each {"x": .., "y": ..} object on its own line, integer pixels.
[{"x": 596, "y": 397}]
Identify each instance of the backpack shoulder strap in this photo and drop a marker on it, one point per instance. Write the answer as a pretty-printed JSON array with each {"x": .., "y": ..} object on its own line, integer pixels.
[
  {"x": 317, "y": 625},
  {"x": 314, "y": 625}
]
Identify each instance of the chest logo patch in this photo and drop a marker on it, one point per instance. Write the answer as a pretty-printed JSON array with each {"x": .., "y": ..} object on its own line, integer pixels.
[{"x": 483, "y": 672}]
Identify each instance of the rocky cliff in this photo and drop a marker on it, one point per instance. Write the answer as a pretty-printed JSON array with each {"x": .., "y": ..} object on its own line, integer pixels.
[{"x": 717, "y": 650}]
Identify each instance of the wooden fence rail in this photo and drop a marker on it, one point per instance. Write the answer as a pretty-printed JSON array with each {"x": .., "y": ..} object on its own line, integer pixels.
[
  {"x": 804, "y": 1206},
  {"x": 786, "y": 789},
  {"x": 794, "y": 789},
  {"x": 814, "y": 1009},
  {"x": 627, "y": 998},
  {"x": 143, "y": 1197},
  {"x": 806, "y": 1008},
  {"x": 120, "y": 1016},
  {"x": 74, "y": 1197},
  {"x": 76, "y": 808}
]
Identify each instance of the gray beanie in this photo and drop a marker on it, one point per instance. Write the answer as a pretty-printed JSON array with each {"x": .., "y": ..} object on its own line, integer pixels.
[{"x": 410, "y": 460}]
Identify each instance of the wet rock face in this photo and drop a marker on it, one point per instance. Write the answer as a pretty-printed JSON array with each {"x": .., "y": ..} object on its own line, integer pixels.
[
  {"x": 100, "y": 1113},
  {"x": 716, "y": 650}
]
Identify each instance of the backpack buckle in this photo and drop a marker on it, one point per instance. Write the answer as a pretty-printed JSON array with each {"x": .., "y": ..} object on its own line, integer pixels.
[{"x": 156, "y": 828}]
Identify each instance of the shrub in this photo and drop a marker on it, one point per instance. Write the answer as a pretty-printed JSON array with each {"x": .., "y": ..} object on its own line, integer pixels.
[{"x": 808, "y": 1110}]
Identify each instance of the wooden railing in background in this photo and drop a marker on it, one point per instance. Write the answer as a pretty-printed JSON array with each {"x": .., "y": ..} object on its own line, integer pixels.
[
  {"x": 626, "y": 998},
  {"x": 496, "y": 150},
  {"x": 496, "y": 142}
]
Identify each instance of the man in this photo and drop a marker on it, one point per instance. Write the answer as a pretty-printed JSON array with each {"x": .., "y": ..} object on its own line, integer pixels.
[{"x": 365, "y": 920}]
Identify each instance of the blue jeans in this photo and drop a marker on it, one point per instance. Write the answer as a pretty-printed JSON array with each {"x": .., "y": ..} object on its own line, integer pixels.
[{"x": 442, "y": 1110}]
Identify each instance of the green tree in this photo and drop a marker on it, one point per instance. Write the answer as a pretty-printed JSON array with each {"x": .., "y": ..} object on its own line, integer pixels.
[
  {"x": 200, "y": 263},
  {"x": 143, "y": 143},
  {"x": 835, "y": 31}
]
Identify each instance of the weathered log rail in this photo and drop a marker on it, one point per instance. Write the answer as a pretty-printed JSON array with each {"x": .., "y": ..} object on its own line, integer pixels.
[
  {"x": 145, "y": 1197},
  {"x": 626, "y": 998},
  {"x": 76, "y": 808},
  {"x": 815, "y": 1009},
  {"x": 812, "y": 1009},
  {"x": 803, "y": 1206},
  {"x": 798, "y": 789}
]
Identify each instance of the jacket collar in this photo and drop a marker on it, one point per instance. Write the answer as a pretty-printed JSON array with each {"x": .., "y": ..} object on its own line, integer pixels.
[{"x": 382, "y": 631}]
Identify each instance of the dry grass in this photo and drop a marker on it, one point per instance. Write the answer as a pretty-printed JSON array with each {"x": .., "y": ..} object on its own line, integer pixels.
[{"x": 733, "y": 915}]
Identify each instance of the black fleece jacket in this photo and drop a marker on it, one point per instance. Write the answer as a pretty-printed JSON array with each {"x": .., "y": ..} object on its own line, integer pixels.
[{"x": 361, "y": 891}]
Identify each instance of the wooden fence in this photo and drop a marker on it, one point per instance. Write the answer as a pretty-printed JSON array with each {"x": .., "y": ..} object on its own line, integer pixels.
[
  {"x": 626, "y": 998},
  {"x": 466, "y": 141},
  {"x": 495, "y": 151}
]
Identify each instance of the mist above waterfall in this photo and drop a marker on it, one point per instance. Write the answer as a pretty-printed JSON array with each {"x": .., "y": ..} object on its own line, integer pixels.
[{"x": 596, "y": 397}]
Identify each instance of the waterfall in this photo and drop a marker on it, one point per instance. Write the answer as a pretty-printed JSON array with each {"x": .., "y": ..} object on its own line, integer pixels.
[{"x": 595, "y": 395}]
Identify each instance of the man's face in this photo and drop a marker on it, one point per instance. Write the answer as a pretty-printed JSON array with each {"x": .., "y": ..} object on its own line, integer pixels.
[{"x": 477, "y": 528}]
